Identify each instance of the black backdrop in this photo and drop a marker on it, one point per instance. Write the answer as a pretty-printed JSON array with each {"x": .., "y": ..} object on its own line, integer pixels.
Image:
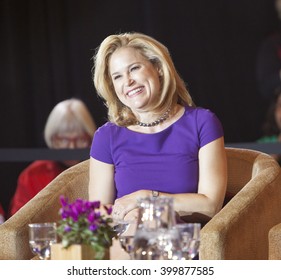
[{"x": 46, "y": 49}]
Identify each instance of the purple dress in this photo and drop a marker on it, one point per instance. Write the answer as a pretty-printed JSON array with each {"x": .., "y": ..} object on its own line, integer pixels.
[{"x": 166, "y": 161}]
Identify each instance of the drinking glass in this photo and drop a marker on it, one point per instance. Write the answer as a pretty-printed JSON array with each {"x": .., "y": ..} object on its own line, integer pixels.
[
  {"x": 190, "y": 239},
  {"x": 127, "y": 244},
  {"x": 126, "y": 237},
  {"x": 156, "y": 238},
  {"x": 168, "y": 242},
  {"x": 41, "y": 236}
]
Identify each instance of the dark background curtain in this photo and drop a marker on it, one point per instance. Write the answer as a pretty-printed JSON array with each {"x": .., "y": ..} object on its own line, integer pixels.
[{"x": 47, "y": 46}]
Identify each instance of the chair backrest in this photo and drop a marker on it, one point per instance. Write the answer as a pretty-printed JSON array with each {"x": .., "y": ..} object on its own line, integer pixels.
[{"x": 243, "y": 165}]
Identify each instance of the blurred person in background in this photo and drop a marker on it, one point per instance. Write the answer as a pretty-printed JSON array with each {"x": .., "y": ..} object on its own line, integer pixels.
[
  {"x": 269, "y": 61},
  {"x": 69, "y": 126},
  {"x": 2, "y": 215},
  {"x": 272, "y": 126}
]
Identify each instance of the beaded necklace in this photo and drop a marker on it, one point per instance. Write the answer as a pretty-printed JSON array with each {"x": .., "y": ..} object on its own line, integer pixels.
[{"x": 164, "y": 117}]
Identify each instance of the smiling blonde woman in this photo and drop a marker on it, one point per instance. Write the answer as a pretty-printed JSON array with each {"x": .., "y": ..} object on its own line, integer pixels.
[{"x": 156, "y": 140}]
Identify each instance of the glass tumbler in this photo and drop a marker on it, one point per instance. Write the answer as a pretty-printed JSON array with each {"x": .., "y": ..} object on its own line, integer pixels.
[{"x": 41, "y": 236}]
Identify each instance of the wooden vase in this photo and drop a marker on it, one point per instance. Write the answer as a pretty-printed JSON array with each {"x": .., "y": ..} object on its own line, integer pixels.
[{"x": 74, "y": 252}]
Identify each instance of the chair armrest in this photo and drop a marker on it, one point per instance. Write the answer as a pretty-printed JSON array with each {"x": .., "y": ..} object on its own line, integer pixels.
[
  {"x": 14, "y": 232},
  {"x": 274, "y": 239},
  {"x": 240, "y": 229}
]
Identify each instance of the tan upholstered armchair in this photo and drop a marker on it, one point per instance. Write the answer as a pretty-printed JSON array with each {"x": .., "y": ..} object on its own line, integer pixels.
[{"x": 238, "y": 231}]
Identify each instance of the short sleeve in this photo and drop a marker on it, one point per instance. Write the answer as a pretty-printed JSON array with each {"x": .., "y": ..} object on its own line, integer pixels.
[
  {"x": 209, "y": 127},
  {"x": 101, "y": 147}
]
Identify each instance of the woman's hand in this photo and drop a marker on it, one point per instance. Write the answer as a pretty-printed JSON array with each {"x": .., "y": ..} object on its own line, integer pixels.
[{"x": 124, "y": 205}]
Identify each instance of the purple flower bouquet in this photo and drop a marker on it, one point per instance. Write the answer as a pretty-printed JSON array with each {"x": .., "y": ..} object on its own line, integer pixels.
[{"x": 83, "y": 223}]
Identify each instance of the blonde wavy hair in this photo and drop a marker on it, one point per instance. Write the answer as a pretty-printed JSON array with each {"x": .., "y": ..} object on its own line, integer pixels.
[{"x": 173, "y": 89}]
